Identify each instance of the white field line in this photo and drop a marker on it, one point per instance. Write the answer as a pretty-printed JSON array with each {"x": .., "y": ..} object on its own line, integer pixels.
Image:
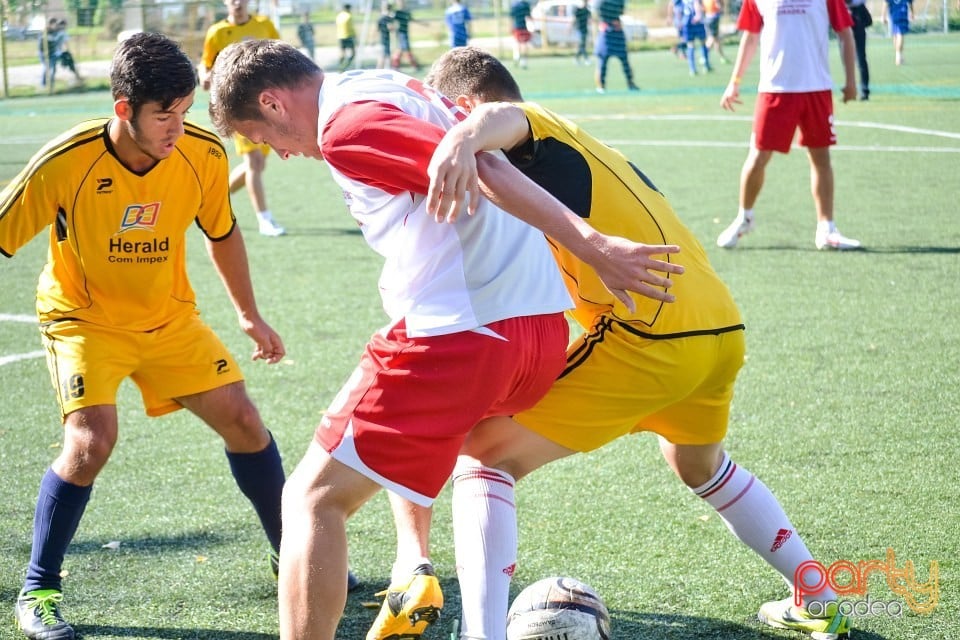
[{"x": 17, "y": 357}]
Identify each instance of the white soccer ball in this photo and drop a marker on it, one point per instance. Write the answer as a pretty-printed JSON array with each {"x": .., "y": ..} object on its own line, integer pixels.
[{"x": 558, "y": 609}]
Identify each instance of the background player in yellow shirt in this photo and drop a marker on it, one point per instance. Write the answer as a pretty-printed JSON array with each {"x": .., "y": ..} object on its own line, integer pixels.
[
  {"x": 346, "y": 37},
  {"x": 665, "y": 368},
  {"x": 241, "y": 25},
  {"x": 118, "y": 195}
]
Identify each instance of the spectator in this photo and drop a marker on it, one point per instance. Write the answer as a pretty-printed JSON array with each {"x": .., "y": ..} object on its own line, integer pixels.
[
  {"x": 611, "y": 42},
  {"x": 581, "y": 21},
  {"x": 712, "y": 12},
  {"x": 403, "y": 18},
  {"x": 520, "y": 13},
  {"x": 385, "y": 30},
  {"x": 862, "y": 20},
  {"x": 458, "y": 18},
  {"x": 693, "y": 30},
  {"x": 306, "y": 35},
  {"x": 900, "y": 14}
]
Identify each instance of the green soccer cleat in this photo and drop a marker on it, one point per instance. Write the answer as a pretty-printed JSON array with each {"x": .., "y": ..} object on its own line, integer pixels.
[
  {"x": 38, "y": 615},
  {"x": 409, "y": 609},
  {"x": 782, "y": 614}
]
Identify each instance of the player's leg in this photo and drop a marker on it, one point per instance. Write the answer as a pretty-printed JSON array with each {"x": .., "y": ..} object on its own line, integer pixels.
[
  {"x": 86, "y": 367},
  {"x": 691, "y": 435},
  {"x": 320, "y": 495},
  {"x": 817, "y": 135},
  {"x": 497, "y": 453}
]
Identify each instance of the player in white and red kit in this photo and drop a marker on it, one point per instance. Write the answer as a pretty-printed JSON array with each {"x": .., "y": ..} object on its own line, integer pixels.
[
  {"x": 794, "y": 92},
  {"x": 476, "y": 327}
]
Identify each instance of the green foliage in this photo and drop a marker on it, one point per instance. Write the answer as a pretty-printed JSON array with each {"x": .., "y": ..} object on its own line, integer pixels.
[{"x": 846, "y": 406}]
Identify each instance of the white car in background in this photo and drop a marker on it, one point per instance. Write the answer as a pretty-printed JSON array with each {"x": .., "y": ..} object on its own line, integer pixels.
[{"x": 551, "y": 21}]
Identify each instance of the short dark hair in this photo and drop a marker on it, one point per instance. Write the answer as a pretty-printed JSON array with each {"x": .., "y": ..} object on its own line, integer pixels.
[
  {"x": 150, "y": 67},
  {"x": 244, "y": 70},
  {"x": 470, "y": 71}
]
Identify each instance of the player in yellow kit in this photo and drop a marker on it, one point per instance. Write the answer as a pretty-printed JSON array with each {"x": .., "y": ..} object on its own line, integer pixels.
[
  {"x": 241, "y": 25},
  {"x": 666, "y": 368},
  {"x": 118, "y": 195}
]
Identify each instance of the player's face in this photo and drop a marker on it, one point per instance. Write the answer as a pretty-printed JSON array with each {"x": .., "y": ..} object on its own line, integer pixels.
[
  {"x": 283, "y": 137},
  {"x": 238, "y": 9},
  {"x": 154, "y": 131}
]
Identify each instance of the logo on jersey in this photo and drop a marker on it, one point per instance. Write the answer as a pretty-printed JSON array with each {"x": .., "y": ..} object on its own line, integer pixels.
[
  {"x": 213, "y": 151},
  {"x": 140, "y": 216},
  {"x": 104, "y": 184}
]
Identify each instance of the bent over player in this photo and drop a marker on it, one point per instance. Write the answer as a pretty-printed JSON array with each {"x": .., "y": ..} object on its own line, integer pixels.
[
  {"x": 118, "y": 195},
  {"x": 665, "y": 368}
]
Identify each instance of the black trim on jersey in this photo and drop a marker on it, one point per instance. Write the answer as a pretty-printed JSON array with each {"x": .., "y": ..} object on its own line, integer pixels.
[
  {"x": 5, "y": 254},
  {"x": 196, "y": 131},
  {"x": 61, "y": 224},
  {"x": 583, "y": 352}
]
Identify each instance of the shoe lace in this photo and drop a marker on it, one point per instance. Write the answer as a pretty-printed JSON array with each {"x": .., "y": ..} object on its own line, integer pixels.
[{"x": 47, "y": 608}]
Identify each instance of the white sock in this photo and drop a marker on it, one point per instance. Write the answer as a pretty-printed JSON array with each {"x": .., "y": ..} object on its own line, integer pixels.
[
  {"x": 826, "y": 226},
  {"x": 265, "y": 215},
  {"x": 744, "y": 214},
  {"x": 753, "y": 514},
  {"x": 402, "y": 571},
  {"x": 485, "y": 543}
]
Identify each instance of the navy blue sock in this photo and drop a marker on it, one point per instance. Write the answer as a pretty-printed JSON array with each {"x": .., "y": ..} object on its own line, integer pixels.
[
  {"x": 60, "y": 505},
  {"x": 260, "y": 478}
]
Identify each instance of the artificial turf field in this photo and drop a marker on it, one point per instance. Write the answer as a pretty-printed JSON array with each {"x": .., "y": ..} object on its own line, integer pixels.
[{"x": 846, "y": 407}]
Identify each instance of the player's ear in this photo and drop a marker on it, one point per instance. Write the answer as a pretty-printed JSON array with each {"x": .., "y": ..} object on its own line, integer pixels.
[
  {"x": 465, "y": 103},
  {"x": 123, "y": 109},
  {"x": 270, "y": 102}
]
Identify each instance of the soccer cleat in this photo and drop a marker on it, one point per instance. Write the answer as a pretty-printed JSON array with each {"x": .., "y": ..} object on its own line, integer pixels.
[
  {"x": 269, "y": 227},
  {"x": 740, "y": 227},
  {"x": 408, "y": 609},
  {"x": 835, "y": 240},
  {"x": 352, "y": 581},
  {"x": 782, "y": 614},
  {"x": 38, "y": 615}
]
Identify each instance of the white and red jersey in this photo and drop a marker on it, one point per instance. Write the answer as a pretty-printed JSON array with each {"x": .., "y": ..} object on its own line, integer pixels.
[
  {"x": 378, "y": 130},
  {"x": 794, "y": 41}
]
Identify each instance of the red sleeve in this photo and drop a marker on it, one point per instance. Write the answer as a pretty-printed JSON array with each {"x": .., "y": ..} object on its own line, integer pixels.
[
  {"x": 380, "y": 145},
  {"x": 840, "y": 17},
  {"x": 750, "y": 19}
]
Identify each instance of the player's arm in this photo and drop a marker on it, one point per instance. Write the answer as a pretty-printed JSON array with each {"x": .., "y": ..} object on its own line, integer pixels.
[
  {"x": 229, "y": 257},
  {"x": 847, "y": 52},
  {"x": 621, "y": 264},
  {"x": 748, "y": 46}
]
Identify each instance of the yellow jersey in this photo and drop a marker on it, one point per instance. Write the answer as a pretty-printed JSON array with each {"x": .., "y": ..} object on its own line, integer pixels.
[
  {"x": 601, "y": 185},
  {"x": 345, "y": 28},
  {"x": 117, "y": 237},
  {"x": 224, "y": 33}
]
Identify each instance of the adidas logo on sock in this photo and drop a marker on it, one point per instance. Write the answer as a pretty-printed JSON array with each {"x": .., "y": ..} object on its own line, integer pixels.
[{"x": 782, "y": 536}]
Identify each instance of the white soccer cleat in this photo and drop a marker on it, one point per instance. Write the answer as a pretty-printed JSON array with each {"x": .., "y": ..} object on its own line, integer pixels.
[
  {"x": 835, "y": 240},
  {"x": 740, "y": 227},
  {"x": 269, "y": 227}
]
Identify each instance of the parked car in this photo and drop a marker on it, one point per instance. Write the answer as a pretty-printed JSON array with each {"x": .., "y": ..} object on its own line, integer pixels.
[
  {"x": 552, "y": 21},
  {"x": 29, "y": 32}
]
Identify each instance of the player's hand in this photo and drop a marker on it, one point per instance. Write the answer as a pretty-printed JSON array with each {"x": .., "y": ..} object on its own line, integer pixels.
[
  {"x": 454, "y": 185},
  {"x": 269, "y": 346},
  {"x": 631, "y": 266},
  {"x": 849, "y": 92},
  {"x": 731, "y": 96}
]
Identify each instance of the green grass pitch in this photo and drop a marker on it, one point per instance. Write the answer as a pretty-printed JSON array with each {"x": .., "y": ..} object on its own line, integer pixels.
[{"x": 846, "y": 407}]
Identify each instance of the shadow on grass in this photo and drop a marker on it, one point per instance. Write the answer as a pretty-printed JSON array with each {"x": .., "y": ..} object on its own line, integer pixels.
[
  {"x": 658, "y": 626},
  {"x": 166, "y": 633},
  {"x": 154, "y": 544}
]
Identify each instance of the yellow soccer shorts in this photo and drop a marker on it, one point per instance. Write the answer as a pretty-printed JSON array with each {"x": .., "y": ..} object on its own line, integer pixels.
[
  {"x": 617, "y": 383},
  {"x": 87, "y": 363},
  {"x": 244, "y": 146}
]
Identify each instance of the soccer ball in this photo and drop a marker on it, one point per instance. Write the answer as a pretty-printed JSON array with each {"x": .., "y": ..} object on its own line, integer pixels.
[{"x": 558, "y": 609}]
